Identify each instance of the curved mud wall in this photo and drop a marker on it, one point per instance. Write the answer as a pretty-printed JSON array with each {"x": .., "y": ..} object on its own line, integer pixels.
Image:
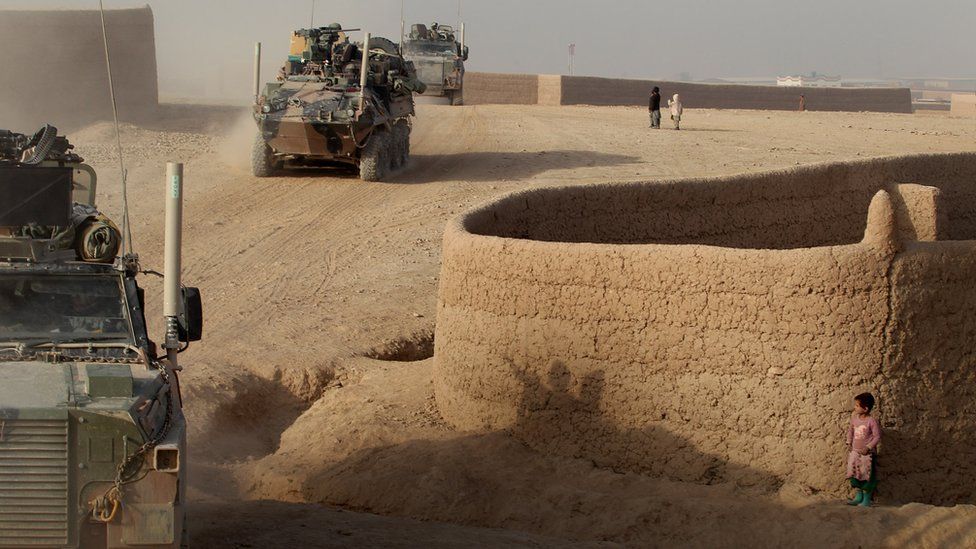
[
  {"x": 54, "y": 67},
  {"x": 483, "y": 88},
  {"x": 711, "y": 330}
]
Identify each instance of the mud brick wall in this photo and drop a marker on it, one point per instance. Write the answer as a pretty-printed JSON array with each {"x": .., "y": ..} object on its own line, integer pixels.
[
  {"x": 523, "y": 89},
  {"x": 505, "y": 89},
  {"x": 930, "y": 367},
  {"x": 715, "y": 330},
  {"x": 963, "y": 104},
  {"x": 582, "y": 90},
  {"x": 54, "y": 64},
  {"x": 550, "y": 89}
]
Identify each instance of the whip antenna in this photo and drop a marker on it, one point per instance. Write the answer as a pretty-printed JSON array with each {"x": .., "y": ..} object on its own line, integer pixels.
[{"x": 126, "y": 229}]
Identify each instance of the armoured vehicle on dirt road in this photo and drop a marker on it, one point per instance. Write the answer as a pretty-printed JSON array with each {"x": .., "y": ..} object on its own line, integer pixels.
[
  {"x": 329, "y": 107},
  {"x": 439, "y": 58},
  {"x": 92, "y": 432}
]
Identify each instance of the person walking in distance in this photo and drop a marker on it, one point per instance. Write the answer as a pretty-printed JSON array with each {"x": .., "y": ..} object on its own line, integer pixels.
[
  {"x": 803, "y": 103},
  {"x": 654, "y": 106},
  {"x": 676, "y": 110}
]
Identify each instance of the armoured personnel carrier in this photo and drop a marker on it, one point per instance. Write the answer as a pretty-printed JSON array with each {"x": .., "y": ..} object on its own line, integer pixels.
[
  {"x": 92, "y": 432},
  {"x": 328, "y": 106},
  {"x": 439, "y": 58}
]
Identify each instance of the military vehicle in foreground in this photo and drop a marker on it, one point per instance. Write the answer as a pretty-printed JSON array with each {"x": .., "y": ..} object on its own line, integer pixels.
[
  {"x": 92, "y": 432},
  {"x": 439, "y": 58},
  {"x": 336, "y": 102}
]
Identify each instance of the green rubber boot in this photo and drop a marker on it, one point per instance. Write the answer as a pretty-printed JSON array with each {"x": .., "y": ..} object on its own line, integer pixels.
[
  {"x": 857, "y": 498},
  {"x": 865, "y": 499}
]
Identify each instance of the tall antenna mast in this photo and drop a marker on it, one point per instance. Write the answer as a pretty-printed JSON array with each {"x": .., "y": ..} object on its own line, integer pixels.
[
  {"x": 459, "y": 15},
  {"x": 311, "y": 18},
  {"x": 126, "y": 228}
]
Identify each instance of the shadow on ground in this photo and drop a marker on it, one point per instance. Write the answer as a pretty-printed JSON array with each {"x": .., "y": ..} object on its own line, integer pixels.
[
  {"x": 471, "y": 166},
  {"x": 687, "y": 498},
  {"x": 272, "y": 525},
  {"x": 502, "y": 166}
]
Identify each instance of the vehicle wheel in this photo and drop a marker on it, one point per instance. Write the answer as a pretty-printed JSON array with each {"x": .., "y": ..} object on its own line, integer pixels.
[
  {"x": 396, "y": 149},
  {"x": 375, "y": 161},
  {"x": 401, "y": 133},
  {"x": 262, "y": 157},
  {"x": 385, "y": 44}
]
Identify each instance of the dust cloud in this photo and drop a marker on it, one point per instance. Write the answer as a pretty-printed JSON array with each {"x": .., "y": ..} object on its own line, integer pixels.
[{"x": 234, "y": 148}]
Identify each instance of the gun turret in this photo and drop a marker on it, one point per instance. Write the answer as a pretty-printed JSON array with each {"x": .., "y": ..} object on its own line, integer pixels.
[{"x": 47, "y": 212}]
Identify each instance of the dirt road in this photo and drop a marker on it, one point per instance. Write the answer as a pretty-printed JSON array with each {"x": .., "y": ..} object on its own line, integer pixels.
[{"x": 320, "y": 290}]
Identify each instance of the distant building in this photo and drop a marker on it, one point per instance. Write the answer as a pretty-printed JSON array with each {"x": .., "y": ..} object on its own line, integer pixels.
[
  {"x": 941, "y": 84},
  {"x": 813, "y": 81}
]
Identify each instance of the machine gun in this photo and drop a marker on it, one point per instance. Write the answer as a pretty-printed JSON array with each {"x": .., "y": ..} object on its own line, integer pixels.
[
  {"x": 45, "y": 144},
  {"x": 318, "y": 45}
]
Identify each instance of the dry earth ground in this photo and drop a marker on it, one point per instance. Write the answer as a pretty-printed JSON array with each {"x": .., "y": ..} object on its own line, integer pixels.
[{"x": 320, "y": 294}]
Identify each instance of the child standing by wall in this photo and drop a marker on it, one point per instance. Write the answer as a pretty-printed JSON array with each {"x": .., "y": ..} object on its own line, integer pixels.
[{"x": 863, "y": 436}]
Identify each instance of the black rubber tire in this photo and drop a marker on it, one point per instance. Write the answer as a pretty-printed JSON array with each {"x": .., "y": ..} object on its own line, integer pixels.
[
  {"x": 392, "y": 154},
  {"x": 262, "y": 158},
  {"x": 401, "y": 133},
  {"x": 374, "y": 164},
  {"x": 385, "y": 44},
  {"x": 396, "y": 145}
]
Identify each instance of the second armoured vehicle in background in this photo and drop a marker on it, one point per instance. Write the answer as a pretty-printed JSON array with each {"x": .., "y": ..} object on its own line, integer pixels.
[
  {"x": 328, "y": 106},
  {"x": 439, "y": 58},
  {"x": 92, "y": 433}
]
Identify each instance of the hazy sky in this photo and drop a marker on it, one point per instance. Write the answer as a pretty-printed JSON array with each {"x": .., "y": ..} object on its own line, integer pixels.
[{"x": 205, "y": 46}]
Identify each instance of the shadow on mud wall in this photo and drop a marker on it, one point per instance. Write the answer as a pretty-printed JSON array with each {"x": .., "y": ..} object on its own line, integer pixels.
[
  {"x": 561, "y": 415},
  {"x": 928, "y": 409},
  {"x": 501, "y": 166},
  {"x": 492, "y": 480},
  {"x": 929, "y": 454}
]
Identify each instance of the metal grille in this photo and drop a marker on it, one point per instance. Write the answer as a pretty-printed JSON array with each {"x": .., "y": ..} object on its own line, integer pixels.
[
  {"x": 33, "y": 483},
  {"x": 431, "y": 72}
]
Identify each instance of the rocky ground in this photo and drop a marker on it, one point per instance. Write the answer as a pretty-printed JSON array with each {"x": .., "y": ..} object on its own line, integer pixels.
[{"x": 310, "y": 397}]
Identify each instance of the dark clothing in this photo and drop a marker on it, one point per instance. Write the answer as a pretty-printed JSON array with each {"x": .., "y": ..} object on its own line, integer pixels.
[
  {"x": 655, "y": 103},
  {"x": 655, "y": 119}
]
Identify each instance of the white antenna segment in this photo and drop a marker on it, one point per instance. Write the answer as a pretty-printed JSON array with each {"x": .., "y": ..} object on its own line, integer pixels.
[{"x": 126, "y": 228}]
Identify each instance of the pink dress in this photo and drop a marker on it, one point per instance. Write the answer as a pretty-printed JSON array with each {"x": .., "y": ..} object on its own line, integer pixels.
[{"x": 863, "y": 433}]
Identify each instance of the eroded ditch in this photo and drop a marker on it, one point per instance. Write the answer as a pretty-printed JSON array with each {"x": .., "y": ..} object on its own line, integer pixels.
[{"x": 412, "y": 348}]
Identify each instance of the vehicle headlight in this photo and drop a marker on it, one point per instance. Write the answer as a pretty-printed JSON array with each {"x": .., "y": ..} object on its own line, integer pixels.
[{"x": 266, "y": 108}]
